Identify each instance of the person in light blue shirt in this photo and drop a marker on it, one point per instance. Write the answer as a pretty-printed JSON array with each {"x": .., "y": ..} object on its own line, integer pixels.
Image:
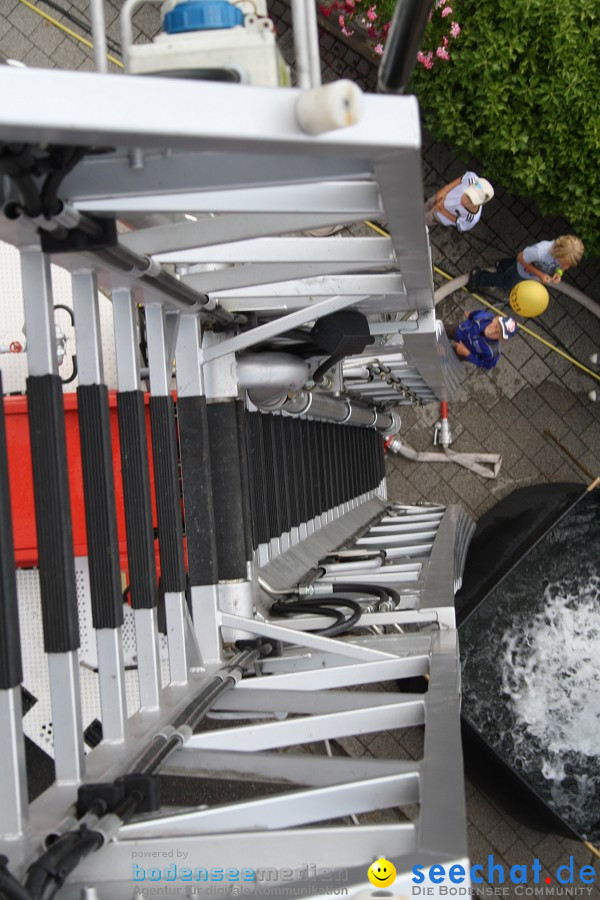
[
  {"x": 480, "y": 335},
  {"x": 545, "y": 262}
]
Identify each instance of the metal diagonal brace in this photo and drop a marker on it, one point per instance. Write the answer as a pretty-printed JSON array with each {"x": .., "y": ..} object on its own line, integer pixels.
[{"x": 305, "y": 639}]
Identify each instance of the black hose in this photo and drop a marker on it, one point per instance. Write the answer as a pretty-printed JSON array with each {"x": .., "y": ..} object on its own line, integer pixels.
[
  {"x": 128, "y": 806},
  {"x": 153, "y": 762},
  {"x": 74, "y": 368},
  {"x": 322, "y": 606},
  {"x": 74, "y": 371},
  {"x": 216, "y": 692},
  {"x": 43, "y": 868},
  {"x": 338, "y": 627},
  {"x": 187, "y": 716},
  {"x": 88, "y": 842},
  {"x": 319, "y": 374},
  {"x": 9, "y": 886},
  {"x": 163, "y": 745},
  {"x": 48, "y": 873},
  {"x": 70, "y": 157},
  {"x": 143, "y": 335},
  {"x": 381, "y": 591},
  {"x": 67, "y": 309},
  {"x": 28, "y": 194}
]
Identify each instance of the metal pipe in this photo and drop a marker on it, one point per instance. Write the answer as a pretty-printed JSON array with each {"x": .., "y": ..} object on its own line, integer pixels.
[
  {"x": 301, "y": 33},
  {"x": 341, "y": 409},
  {"x": 126, "y": 26},
  {"x": 314, "y": 50},
  {"x": 154, "y": 276},
  {"x": 360, "y": 372},
  {"x": 143, "y": 267},
  {"x": 403, "y": 42},
  {"x": 99, "y": 34}
]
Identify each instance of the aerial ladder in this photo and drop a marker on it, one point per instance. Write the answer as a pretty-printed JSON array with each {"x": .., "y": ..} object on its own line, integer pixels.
[{"x": 233, "y": 587}]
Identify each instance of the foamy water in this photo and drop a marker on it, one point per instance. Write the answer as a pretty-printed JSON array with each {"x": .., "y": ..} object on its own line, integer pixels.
[
  {"x": 531, "y": 669},
  {"x": 551, "y": 670},
  {"x": 551, "y": 674}
]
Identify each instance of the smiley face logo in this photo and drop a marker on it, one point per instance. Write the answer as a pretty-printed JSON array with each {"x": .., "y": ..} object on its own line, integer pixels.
[{"x": 381, "y": 873}]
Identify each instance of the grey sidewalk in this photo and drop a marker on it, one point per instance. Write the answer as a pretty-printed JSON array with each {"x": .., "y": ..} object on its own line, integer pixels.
[{"x": 533, "y": 389}]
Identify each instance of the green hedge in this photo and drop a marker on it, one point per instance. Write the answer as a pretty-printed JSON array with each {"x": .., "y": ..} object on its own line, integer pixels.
[{"x": 521, "y": 94}]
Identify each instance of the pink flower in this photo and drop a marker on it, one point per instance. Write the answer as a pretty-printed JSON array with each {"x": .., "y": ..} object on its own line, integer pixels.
[
  {"x": 454, "y": 29},
  {"x": 447, "y": 11},
  {"x": 445, "y": 41},
  {"x": 347, "y": 32},
  {"x": 341, "y": 21},
  {"x": 442, "y": 53},
  {"x": 378, "y": 49},
  {"x": 371, "y": 14},
  {"x": 326, "y": 10},
  {"x": 426, "y": 59},
  {"x": 350, "y": 4}
]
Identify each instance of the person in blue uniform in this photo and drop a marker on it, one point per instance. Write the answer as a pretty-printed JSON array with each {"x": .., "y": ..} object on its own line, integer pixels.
[{"x": 480, "y": 335}]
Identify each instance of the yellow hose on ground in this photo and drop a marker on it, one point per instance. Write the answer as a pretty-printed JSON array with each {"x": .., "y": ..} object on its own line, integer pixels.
[
  {"x": 68, "y": 31},
  {"x": 594, "y": 850},
  {"x": 499, "y": 312}
]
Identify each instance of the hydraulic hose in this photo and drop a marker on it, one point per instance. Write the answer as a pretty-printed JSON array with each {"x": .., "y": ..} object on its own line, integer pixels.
[
  {"x": 9, "y": 886},
  {"x": 89, "y": 841},
  {"x": 164, "y": 745},
  {"x": 319, "y": 373},
  {"x": 166, "y": 742},
  {"x": 321, "y": 605},
  {"x": 46, "y": 871},
  {"x": 384, "y": 593},
  {"x": 326, "y": 603}
]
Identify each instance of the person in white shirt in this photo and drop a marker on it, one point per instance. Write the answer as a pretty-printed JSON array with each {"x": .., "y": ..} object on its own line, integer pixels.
[{"x": 459, "y": 203}]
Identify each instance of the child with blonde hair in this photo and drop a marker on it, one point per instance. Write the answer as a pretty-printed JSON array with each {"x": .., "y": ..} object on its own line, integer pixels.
[{"x": 545, "y": 262}]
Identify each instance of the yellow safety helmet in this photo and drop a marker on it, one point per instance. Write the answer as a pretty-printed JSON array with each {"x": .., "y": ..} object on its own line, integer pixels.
[{"x": 529, "y": 298}]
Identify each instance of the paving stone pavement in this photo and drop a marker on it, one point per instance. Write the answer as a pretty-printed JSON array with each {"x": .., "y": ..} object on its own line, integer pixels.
[{"x": 533, "y": 408}]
